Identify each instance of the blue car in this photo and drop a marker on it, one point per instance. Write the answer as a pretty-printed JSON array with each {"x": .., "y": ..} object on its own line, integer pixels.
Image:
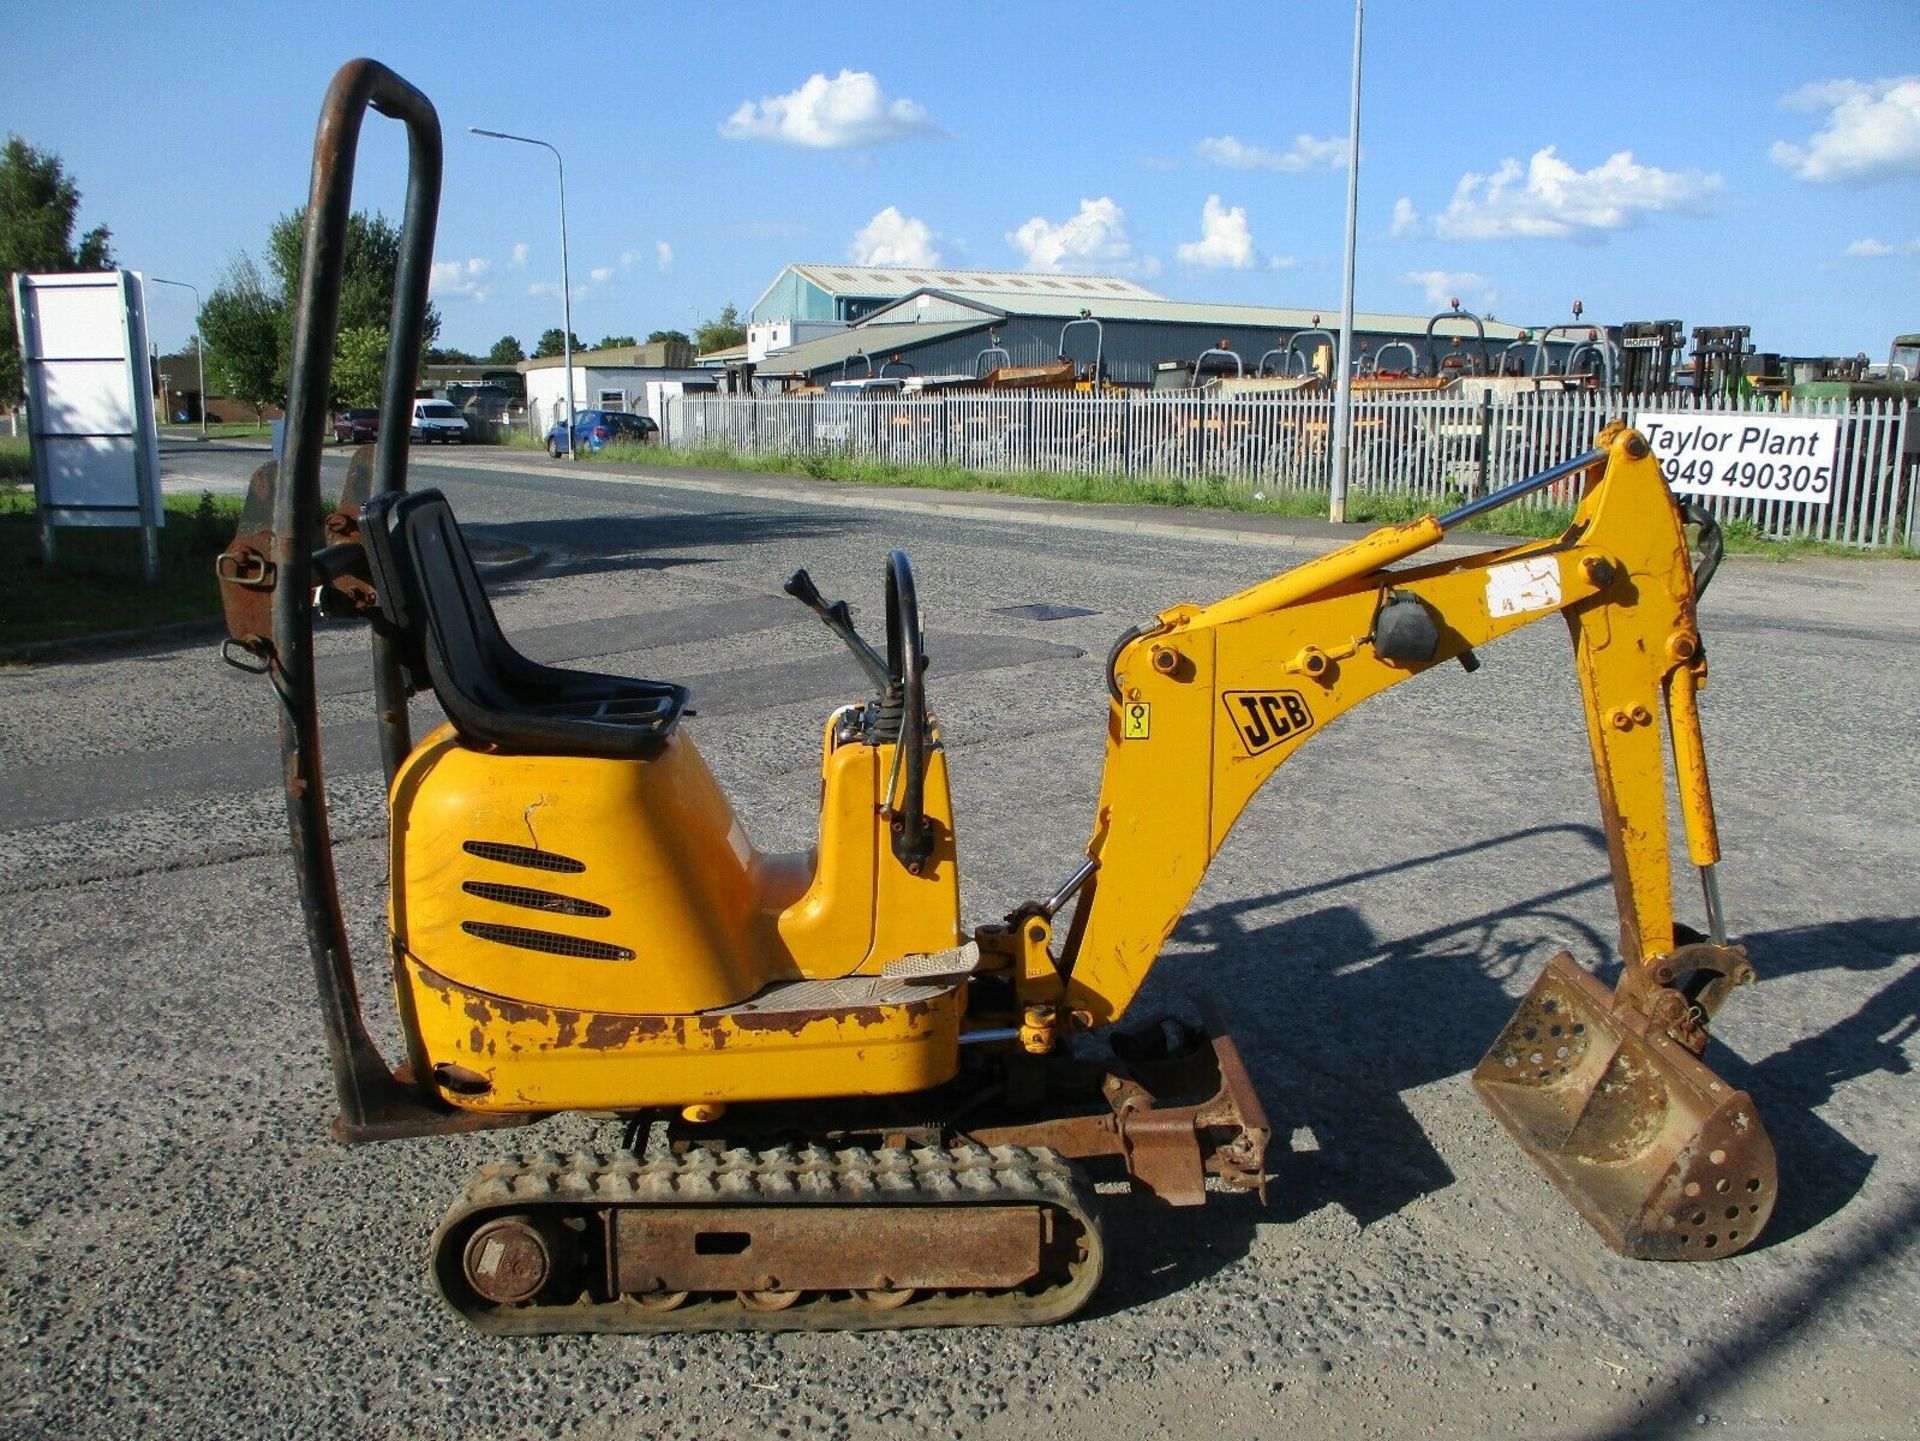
[{"x": 597, "y": 429}]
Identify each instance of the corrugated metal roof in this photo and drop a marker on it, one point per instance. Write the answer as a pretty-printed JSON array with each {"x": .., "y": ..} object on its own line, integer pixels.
[
  {"x": 905, "y": 279},
  {"x": 1201, "y": 312},
  {"x": 812, "y": 355},
  {"x": 1110, "y": 297}
]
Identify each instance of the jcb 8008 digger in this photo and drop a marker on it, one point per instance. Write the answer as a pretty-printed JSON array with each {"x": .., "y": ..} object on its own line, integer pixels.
[{"x": 862, "y": 1113}]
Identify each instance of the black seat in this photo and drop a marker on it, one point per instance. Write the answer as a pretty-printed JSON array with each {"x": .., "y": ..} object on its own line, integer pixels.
[{"x": 495, "y": 697}]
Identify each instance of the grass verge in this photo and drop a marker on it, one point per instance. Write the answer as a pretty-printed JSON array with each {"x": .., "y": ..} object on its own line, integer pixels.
[
  {"x": 16, "y": 461},
  {"x": 1210, "y": 493},
  {"x": 96, "y": 584},
  {"x": 223, "y": 430}
]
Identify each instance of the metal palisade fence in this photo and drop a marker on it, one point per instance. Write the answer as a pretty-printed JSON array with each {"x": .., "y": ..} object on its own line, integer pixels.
[{"x": 1434, "y": 447}]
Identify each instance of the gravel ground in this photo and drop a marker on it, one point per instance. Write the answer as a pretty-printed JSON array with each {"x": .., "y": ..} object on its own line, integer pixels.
[{"x": 183, "y": 1252}]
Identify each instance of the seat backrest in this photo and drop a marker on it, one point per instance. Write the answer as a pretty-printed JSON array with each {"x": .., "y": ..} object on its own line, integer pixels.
[
  {"x": 430, "y": 589},
  {"x": 430, "y": 592}
]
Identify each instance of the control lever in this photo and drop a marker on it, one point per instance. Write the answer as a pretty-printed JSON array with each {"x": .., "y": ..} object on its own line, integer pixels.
[{"x": 839, "y": 620}]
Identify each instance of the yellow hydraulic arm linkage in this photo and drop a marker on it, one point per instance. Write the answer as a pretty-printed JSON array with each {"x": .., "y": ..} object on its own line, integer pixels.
[{"x": 1603, "y": 1088}]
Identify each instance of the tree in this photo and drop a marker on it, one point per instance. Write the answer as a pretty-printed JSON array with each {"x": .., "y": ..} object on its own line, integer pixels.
[
  {"x": 552, "y": 344},
  {"x": 38, "y": 204},
  {"x": 241, "y": 327},
  {"x": 655, "y": 337},
  {"x": 506, "y": 351},
  {"x": 450, "y": 356},
  {"x": 614, "y": 342},
  {"x": 366, "y": 282},
  {"x": 359, "y": 363},
  {"x": 721, "y": 333}
]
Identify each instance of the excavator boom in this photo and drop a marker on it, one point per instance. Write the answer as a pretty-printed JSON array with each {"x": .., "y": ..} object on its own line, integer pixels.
[{"x": 1208, "y": 702}]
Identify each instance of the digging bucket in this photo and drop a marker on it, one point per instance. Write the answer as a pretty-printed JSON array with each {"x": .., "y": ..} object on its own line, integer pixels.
[{"x": 1663, "y": 1158}]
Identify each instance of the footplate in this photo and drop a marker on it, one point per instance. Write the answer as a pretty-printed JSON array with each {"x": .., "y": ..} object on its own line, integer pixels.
[
  {"x": 782, "y": 1239},
  {"x": 1662, "y": 1157}
]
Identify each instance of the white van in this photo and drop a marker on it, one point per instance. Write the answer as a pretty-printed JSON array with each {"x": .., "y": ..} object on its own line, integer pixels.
[{"x": 438, "y": 420}]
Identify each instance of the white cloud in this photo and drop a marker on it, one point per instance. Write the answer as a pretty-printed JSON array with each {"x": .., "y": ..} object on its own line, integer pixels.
[
  {"x": 1549, "y": 199},
  {"x": 1871, "y": 132},
  {"x": 891, "y": 238},
  {"x": 1094, "y": 237},
  {"x": 550, "y": 290},
  {"x": 459, "y": 278},
  {"x": 1876, "y": 248},
  {"x": 1406, "y": 220},
  {"x": 828, "y": 114},
  {"x": 1225, "y": 242},
  {"x": 1443, "y": 287},
  {"x": 600, "y": 274},
  {"x": 663, "y": 255},
  {"x": 519, "y": 260},
  {"x": 1306, "y": 153}
]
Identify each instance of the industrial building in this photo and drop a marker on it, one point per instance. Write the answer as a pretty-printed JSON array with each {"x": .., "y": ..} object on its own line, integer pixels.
[
  {"x": 849, "y": 322},
  {"x": 628, "y": 377}
]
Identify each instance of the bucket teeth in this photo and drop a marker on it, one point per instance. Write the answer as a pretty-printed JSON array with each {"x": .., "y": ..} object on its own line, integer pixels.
[{"x": 1663, "y": 1158}]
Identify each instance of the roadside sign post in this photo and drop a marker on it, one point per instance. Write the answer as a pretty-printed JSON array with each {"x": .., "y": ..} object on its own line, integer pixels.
[
  {"x": 1746, "y": 455},
  {"x": 90, "y": 420}
]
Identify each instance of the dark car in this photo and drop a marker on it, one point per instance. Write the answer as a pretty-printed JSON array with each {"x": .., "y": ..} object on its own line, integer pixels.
[
  {"x": 597, "y": 429},
  {"x": 356, "y": 427}
]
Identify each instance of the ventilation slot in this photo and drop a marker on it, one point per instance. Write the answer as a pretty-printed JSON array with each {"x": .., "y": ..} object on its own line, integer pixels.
[
  {"x": 533, "y": 900},
  {"x": 524, "y": 856},
  {"x": 546, "y": 941}
]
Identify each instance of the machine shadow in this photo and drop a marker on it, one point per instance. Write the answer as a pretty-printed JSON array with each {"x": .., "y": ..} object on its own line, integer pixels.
[
  {"x": 1359, "y": 1023},
  {"x": 1826, "y": 1169},
  {"x": 1365, "y": 1021},
  {"x": 609, "y": 544}
]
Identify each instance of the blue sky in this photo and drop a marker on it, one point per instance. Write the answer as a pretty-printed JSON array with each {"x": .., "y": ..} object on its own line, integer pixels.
[{"x": 1753, "y": 163}]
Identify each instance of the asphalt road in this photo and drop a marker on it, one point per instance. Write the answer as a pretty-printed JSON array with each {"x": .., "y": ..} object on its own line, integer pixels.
[{"x": 184, "y": 1252}]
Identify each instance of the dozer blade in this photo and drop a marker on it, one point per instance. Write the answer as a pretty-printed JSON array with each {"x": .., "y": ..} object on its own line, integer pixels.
[{"x": 1663, "y": 1158}]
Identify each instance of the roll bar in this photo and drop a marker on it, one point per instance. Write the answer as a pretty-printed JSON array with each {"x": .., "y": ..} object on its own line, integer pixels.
[
  {"x": 1480, "y": 332},
  {"x": 1099, "y": 344},
  {"x": 1239, "y": 368},
  {"x": 993, "y": 348},
  {"x": 1296, "y": 346},
  {"x": 374, "y": 1101},
  {"x": 1413, "y": 356}
]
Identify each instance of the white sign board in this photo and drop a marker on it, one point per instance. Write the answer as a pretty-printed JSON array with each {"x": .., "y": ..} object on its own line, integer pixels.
[
  {"x": 1746, "y": 455},
  {"x": 89, "y": 384}
]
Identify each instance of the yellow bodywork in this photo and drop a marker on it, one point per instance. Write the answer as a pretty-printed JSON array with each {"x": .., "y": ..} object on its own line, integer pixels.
[
  {"x": 1213, "y": 700},
  {"x": 574, "y": 933},
  {"x": 569, "y": 932}
]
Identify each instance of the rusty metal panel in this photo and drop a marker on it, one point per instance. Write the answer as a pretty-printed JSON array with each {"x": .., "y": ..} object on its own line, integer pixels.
[
  {"x": 1663, "y": 1158},
  {"x": 824, "y": 1248}
]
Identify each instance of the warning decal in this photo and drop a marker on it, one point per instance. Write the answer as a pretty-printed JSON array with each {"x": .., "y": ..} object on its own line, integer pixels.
[{"x": 1136, "y": 721}]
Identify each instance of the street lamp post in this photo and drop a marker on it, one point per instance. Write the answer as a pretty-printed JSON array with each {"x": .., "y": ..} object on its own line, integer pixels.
[
  {"x": 566, "y": 278},
  {"x": 199, "y": 346},
  {"x": 1343, "y": 400}
]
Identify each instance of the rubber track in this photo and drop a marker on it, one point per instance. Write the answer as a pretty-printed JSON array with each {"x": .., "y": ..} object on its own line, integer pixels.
[{"x": 593, "y": 1184}]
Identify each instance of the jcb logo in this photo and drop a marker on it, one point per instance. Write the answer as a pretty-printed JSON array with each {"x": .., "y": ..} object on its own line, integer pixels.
[{"x": 1264, "y": 718}]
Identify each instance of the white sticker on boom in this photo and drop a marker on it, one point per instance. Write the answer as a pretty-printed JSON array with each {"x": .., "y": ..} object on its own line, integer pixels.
[
  {"x": 1523, "y": 585},
  {"x": 737, "y": 838}
]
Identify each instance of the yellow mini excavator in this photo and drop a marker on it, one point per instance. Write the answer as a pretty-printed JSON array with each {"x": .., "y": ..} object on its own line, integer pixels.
[{"x": 859, "y": 1112}]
